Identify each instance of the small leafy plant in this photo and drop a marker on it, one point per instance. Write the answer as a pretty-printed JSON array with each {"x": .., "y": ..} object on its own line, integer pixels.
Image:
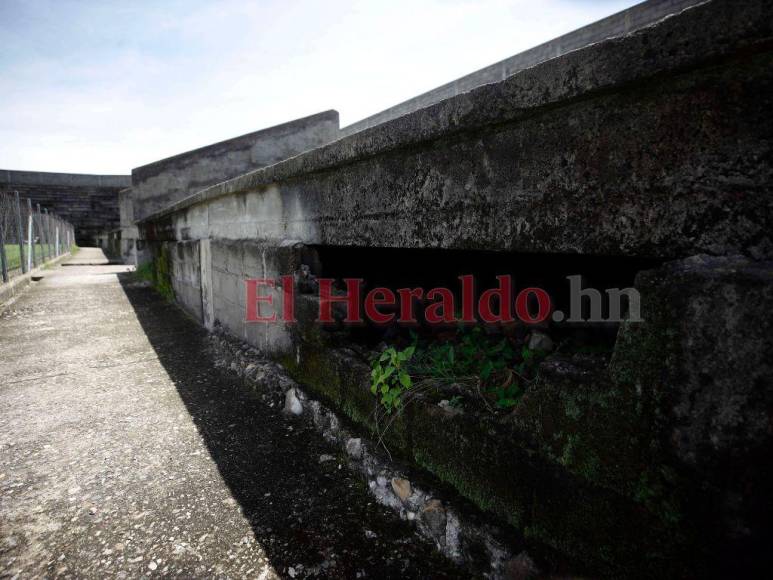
[
  {"x": 488, "y": 366},
  {"x": 473, "y": 355},
  {"x": 456, "y": 402},
  {"x": 509, "y": 391},
  {"x": 144, "y": 272},
  {"x": 390, "y": 378},
  {"x": 162, "y": 279}
]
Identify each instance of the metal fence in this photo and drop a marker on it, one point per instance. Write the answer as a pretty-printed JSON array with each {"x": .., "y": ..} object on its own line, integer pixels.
[{"x": 30, "y": 235}]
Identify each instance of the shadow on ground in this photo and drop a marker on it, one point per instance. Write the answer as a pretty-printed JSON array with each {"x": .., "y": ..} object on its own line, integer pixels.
[{"x": 303, "y": 512}]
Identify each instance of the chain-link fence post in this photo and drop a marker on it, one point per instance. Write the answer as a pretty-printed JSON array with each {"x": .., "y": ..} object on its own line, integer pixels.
[
  {"x": 31, "y": 261},
  {"x": 41, "y": 234},
  {"x": 49, "y": 247},
  {"x": 3, "y": 258},
  {"x": 20, "y": 233},
  {"x": 48, "y": 234}
]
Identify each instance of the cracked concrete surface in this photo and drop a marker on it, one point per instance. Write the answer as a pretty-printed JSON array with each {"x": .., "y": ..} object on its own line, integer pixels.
[{"x": 124, "y": 452}]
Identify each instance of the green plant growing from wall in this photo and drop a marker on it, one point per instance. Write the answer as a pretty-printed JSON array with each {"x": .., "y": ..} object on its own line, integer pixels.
[
  {"x": 389, "y": 377},
  {"x": 162, "y": 278},
  {"x": 157, "y": 273},
  {"x": 481, "y": 365},
  {"x": 489, "y": 366},
  {"x": 144, "y": 272}
]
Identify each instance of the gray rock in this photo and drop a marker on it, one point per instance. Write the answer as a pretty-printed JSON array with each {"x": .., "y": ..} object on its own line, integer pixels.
[
  {"x": 448, "y": 408},
  {"x": 540, "y": 341},
  {"x": 354, "y": 448},
  {"x": 453, "y": 536},
  {"x": 292, "y": 403},
  {"x": 433, "y": 516},
  {"x": 402, "y": 488}
]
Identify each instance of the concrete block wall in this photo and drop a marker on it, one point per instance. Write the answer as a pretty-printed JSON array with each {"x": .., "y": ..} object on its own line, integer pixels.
[
  {"x": 186, "y": 276},
  {"x": 129, "y": 233},
  {"x": 89, "y": 202},
  {"x": 231, "y": 263},
  {"x": 208, "y": 278}
]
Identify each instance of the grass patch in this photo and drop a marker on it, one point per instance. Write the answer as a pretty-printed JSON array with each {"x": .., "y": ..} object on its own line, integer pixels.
[
  {"x": 13, "y": 255},
  {"x": 144, "y": 272},
  {"x": 157, "y": 273}
]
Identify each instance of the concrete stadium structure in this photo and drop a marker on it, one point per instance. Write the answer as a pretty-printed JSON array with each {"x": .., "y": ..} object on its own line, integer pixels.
[
  {"x": 89, "y": 202},
  {"x": 633, "y": 152},
  {"x": 641, "y": 159}
]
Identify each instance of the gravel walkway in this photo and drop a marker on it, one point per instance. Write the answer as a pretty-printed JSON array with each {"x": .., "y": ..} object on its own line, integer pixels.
[{"x": 124, "y": 452}]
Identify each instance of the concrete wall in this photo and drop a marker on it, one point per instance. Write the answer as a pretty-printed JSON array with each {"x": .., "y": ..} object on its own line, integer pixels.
[
  {"x": 89, "y": 202},
  {"x": 207, "y": 277},
  {"x": 129, "y": 251},
  {"x": 186, "y": 276},
  {"x": 653, "y": 146},
  {"x": 161, "y": 183},
  {"x": 632, "y": 147},
  {"x": 617, "y": 24}
]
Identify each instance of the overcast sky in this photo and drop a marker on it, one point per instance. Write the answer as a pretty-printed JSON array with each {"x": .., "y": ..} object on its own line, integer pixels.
[{"x": 102, "y": 86}]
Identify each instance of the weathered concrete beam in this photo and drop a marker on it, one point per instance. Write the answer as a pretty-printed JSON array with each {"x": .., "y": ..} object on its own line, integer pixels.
[{"x": 158, "y": 184}]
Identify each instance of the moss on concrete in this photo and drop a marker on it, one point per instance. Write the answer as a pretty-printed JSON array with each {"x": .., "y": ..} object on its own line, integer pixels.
[
  {"x": 573, "y": 488},
  {"x": 582, "y": 465},
  {"x": 158, "y": 271}
]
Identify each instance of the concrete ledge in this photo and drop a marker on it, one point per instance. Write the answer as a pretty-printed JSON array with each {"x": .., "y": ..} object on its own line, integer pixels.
[
  {"x": 651, "y": 145},
  {"x": 12, "y": 289}
]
